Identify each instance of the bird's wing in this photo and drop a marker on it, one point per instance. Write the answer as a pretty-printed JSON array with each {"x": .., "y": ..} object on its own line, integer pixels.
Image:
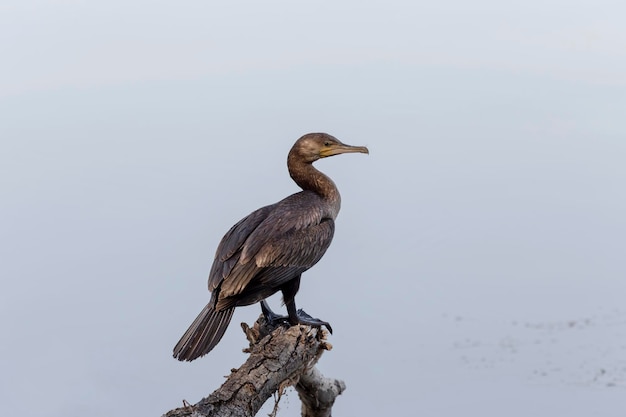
[
  {"x": 280, "y": 258},
  {"x": 272, "y": 245},
  {"x": 302, "y": 247},
  {"x": 229, "y": 250}
]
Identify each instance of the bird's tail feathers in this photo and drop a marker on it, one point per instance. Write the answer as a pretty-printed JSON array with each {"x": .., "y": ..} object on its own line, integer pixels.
[{"x": 204, "y": 333}]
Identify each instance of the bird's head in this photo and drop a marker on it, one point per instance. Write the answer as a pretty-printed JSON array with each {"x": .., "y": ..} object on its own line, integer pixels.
[{"x": 314, "y": 146}]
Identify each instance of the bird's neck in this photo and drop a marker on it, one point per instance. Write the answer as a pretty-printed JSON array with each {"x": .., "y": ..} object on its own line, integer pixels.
[{"x": 310, "y": 179}]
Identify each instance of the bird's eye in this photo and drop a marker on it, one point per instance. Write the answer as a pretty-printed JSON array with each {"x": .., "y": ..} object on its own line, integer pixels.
[{"x": 327, "y": 143}]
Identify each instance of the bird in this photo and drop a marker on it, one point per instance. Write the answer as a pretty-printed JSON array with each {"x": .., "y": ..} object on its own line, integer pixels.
[{"x": 268, "y": 250}]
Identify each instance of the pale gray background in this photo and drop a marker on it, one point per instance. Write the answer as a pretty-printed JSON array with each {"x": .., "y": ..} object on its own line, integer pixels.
[{"x": 478, "y": 265}]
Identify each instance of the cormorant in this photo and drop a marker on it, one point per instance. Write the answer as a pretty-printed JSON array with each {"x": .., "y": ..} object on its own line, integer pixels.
[{"x": 268, "y": 250}]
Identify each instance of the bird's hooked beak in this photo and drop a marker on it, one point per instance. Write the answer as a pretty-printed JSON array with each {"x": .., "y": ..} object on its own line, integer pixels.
[{"x": 338, "y": 148}]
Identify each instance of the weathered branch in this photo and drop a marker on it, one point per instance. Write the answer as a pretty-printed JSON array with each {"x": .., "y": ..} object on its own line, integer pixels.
[
  {"x": 279, "y": 357},
  {"x": 318, "y": 393}
]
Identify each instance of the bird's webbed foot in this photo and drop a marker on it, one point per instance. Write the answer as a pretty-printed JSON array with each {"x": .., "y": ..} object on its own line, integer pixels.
[
  {"x": 301, "y": 317},
  {"x": 271, "y": 317},
  {"x": 304, "y": 318}
]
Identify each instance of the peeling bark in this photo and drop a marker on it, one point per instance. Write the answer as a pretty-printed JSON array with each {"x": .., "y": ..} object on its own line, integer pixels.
[{"x": 279, "y": 357}]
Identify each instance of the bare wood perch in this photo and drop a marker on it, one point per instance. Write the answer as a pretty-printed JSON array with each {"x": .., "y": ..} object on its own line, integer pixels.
[{"x": 279, "y": 357}]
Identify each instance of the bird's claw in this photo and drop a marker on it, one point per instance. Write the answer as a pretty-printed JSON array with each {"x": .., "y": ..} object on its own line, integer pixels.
[
  {"x": 302, "y": 317},
  {"x": 305, "y": 318},
  {"x": 271, "y": 317}
]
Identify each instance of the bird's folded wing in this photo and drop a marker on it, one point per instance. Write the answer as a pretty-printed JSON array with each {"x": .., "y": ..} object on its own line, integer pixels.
[
  {"x": 280, "y": 257},
  {"x": 303, "y": 247},
  {"x": 229, "y": 250}
]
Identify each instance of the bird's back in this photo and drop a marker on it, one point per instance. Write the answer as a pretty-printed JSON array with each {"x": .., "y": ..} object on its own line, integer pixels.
[{"x": 269, "y": 247}]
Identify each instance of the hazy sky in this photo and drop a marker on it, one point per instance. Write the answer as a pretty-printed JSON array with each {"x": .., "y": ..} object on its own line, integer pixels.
[{"x": 478, "y": 264}]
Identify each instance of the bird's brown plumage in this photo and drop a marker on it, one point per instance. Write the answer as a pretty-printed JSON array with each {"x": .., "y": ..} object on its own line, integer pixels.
[{"x": 269, "y": 249}]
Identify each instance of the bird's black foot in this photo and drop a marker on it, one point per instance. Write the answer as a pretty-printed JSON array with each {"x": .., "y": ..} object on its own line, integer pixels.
[
  {"x": 301, "y": 318},
  {"x": 271, "y": 317},
  {"x": 304, "y": 318}
]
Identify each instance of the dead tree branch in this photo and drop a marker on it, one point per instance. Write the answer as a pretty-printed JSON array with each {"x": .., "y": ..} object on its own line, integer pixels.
[{"x": 279, "y": 357}]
